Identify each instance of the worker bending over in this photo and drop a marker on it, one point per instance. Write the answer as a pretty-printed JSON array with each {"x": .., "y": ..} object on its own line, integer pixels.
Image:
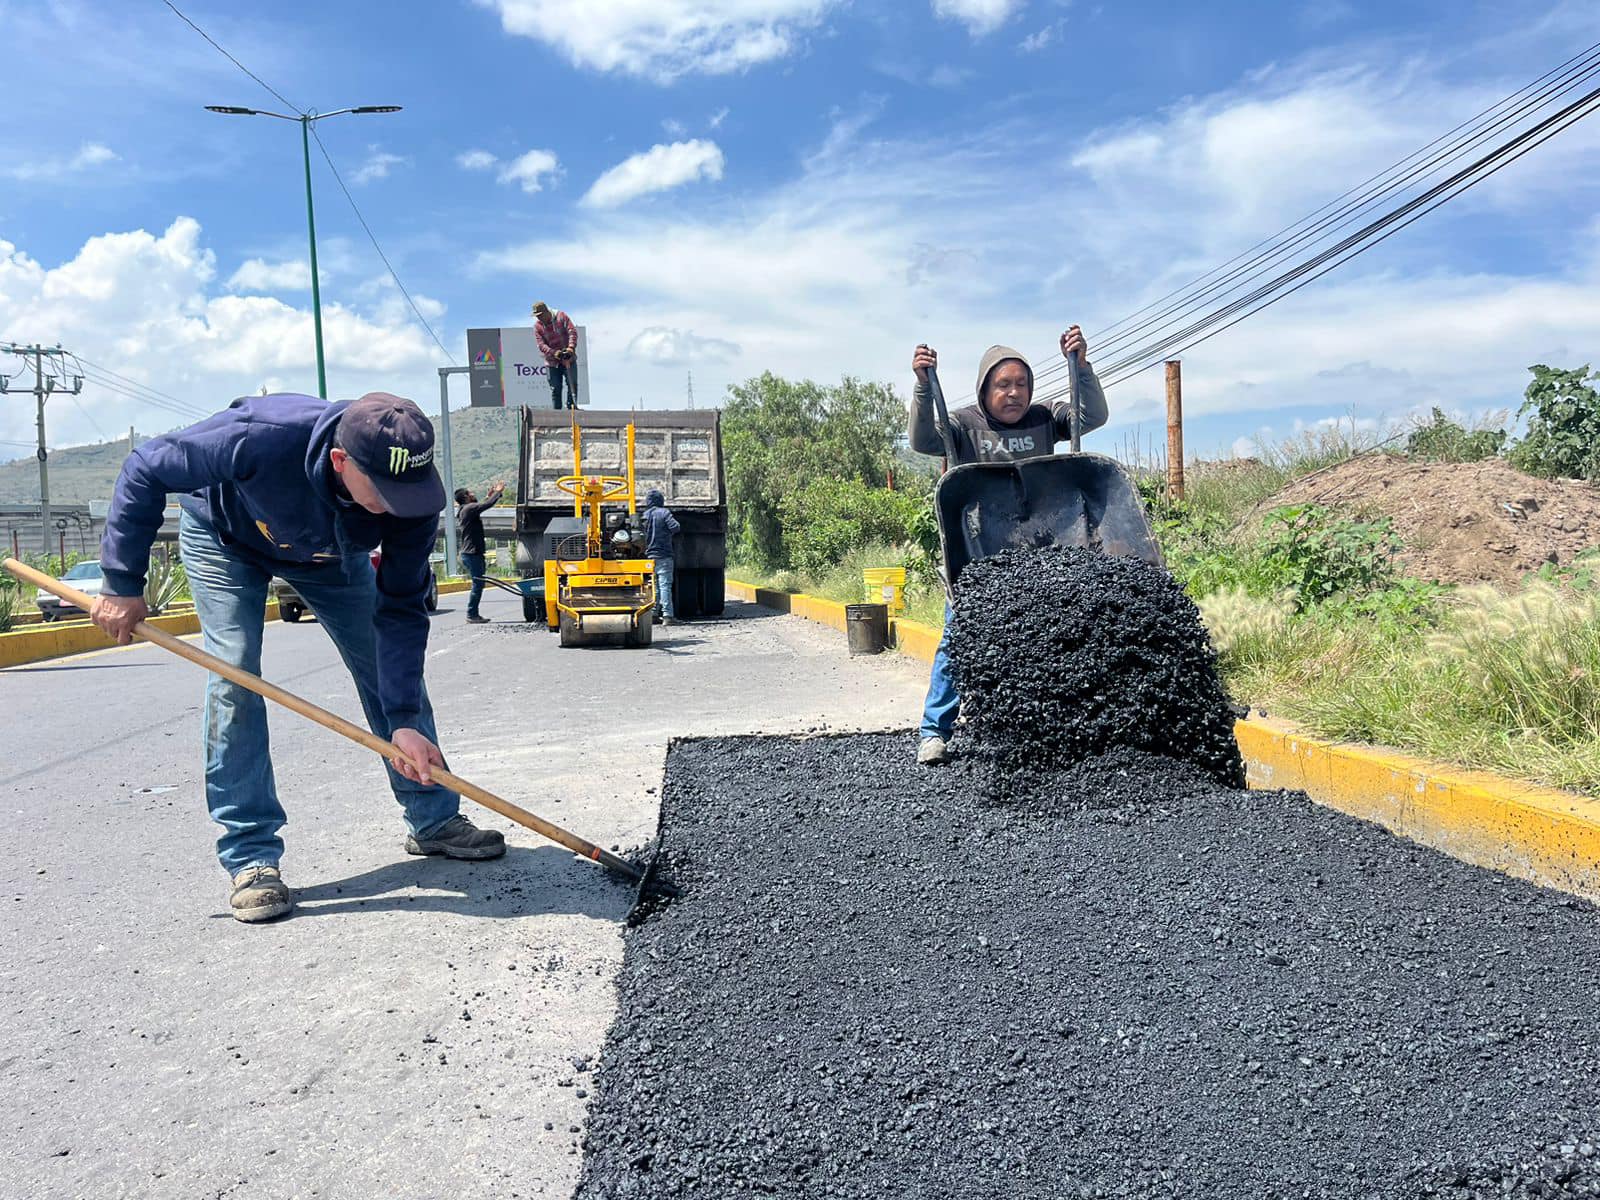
[
  {"x": 1005, "y": 424},
  {"x": 293, "y": 486}
]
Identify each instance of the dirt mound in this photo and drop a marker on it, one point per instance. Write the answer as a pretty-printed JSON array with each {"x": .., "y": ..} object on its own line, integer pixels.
[
  {"x": 1063, "y": 654},
  {"x": 1461, "y": 522}
]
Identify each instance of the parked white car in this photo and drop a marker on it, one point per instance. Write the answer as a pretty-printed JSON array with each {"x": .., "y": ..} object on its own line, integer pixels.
[
  {"x": 84, "y": 576},
  {"x": 291, "y": 607}
]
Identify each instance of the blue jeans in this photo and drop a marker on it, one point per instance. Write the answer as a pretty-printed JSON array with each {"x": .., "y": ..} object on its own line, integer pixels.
[
  {"x": 664, "y": 576},
  {"x": 474, "y": 565},
  {"x": 230, "y": 597},
  {"x": 567, "y": 371},
  {"x": 940, "y": 708}
]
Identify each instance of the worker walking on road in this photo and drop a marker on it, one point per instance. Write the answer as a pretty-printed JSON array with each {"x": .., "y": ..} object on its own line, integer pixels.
[
  {"x": 471, "y": 546},
  {"x": 558, "y": 342},
  {"x": 293, "y": 486},
  {"x": 659, "y": 526},
  {"x": 1005, "y": 424}
]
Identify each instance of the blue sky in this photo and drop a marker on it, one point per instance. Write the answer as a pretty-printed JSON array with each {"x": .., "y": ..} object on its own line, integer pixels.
[{"x": 806, "y": 186}]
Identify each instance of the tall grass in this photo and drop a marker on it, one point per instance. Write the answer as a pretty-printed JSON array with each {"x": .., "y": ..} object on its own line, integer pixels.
[{"x": 924, "y": 596}]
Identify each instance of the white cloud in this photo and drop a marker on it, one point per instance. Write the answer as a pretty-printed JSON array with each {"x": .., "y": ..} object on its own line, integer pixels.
[
  {"x": 1040, "y": 39},
  {"x": 530, "y": 170},
  {"x": 658, "y": 169},
  {"x": 666, "y": 347},
  {"x": 979, "y": 16},
  {"x": 673, "y": 127},
  {"x": 664, "y": 39},
  {"x": 476, "y": 160},
  {"x": 717, "y": 118},
  {"x": 144, "y": 305},
  {"x": 1244, "y": 447},
  {"x": 259, "y": 275},
  {"x": 378, "y": 164},
  {"x": 90, "y": 154}
]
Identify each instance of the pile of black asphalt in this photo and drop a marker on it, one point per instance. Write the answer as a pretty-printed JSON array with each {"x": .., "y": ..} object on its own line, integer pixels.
[
  {"x": 1061, "y": 654},
  {"x": 1129, "y": 978},
  {"x": 875, "y": 987}
]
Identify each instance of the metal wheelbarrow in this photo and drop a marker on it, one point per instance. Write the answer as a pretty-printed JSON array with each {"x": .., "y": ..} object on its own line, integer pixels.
[{"x": 1075, "y": 499}]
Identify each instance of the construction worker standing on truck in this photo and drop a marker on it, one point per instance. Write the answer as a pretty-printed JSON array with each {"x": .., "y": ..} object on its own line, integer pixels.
[
  {"x": 293, "y": 486},
  {"x": 558, "y": 342},
  {"x": 1005, "y": 424},
  {"x": 659, "y": 526}
]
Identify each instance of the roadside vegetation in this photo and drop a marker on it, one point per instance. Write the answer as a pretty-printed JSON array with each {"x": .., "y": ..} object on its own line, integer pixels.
[{"x": 1311, "y": 615}]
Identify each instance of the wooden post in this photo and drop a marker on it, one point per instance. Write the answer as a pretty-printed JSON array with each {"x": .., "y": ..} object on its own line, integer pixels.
[
  {"x": 1174, "y": 429},
  {"x": 62, "y": 536}
]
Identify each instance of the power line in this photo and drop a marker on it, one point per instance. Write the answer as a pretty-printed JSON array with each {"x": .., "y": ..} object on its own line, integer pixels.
[
  {"x": 1358, "y": 243},
  {"x": 231, "y": 58},
  {"x": 132, "y": 388},
  {"x": 423, "y": 321}
]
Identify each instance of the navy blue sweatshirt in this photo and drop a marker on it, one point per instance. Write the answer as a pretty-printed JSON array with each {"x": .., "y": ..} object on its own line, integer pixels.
[{"x": 258, "y": 473}]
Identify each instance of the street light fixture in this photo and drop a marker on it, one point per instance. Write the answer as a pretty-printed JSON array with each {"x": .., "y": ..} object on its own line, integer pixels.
[{"x": 305, "y": 119}]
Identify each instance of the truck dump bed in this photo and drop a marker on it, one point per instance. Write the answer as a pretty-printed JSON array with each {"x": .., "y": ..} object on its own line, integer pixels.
[{"x": 677, "y": 453}]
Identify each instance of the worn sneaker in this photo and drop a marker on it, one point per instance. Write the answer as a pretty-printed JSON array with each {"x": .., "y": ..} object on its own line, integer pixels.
[
  {"x": 259, "y": 894},
  {"x": 458, "y": 838},
  {"x": 476, "y": 619},
  {"x": 932, "y": 751}
]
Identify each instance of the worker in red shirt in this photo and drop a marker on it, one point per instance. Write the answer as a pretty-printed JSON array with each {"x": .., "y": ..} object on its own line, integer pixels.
[{"x": 558, "y": 342}]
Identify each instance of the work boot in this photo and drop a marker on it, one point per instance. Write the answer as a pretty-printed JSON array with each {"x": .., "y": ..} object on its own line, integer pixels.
[
  {"x": 477, "y": 619},
  {"x": 932, "y": 751},
  {"x": 259, "y": 894},
  {"x": 458, "y": 838},
  {"x": 671, "y": 621}
]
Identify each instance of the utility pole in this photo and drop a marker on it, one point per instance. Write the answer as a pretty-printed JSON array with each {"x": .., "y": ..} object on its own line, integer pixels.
[
  {"x": 43, "y": 387},
  {"x": 691, "y": 390},
  {"x": 449, "y": 471},
  {"x": 1174, "y": 429}
]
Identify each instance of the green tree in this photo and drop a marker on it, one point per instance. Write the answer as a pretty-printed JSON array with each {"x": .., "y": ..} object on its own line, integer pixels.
[
  {"x": 1564, "y": 429},
  {"x": 778, "y": 436}
]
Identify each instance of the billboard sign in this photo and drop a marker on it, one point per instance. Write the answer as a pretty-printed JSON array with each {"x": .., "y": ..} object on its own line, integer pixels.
[{"x": 508, "y": 370}]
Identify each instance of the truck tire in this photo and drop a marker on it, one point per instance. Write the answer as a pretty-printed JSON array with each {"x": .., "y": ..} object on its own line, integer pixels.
[
  {"x": 568, "y": 629},
  {"x": 290, "y": 611},
  {"x": 686, "y": 595}
]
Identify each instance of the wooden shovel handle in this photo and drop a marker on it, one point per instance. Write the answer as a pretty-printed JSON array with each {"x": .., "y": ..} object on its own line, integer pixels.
[{"x": 338, "y": 724}]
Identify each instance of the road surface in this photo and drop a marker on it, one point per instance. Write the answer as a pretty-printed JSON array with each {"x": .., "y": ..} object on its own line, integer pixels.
[{"x": 418, "y": 1028}]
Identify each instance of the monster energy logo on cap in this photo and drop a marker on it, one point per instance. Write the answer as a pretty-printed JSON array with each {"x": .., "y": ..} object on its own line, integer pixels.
[{"x": 402, "y": 460}]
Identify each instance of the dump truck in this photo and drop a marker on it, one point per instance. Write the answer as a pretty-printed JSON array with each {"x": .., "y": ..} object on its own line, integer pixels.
[{"x": 677, "y": 453}]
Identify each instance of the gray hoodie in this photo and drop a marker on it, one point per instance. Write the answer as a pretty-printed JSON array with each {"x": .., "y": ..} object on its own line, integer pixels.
[{"x": 979, "y": 437}]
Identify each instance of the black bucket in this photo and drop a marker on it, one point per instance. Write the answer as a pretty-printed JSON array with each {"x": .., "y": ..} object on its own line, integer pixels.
[{"x": 867, "y": 628}]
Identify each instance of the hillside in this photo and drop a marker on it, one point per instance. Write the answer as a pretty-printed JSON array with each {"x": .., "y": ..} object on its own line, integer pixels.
[{"x": 483, "y": 445}]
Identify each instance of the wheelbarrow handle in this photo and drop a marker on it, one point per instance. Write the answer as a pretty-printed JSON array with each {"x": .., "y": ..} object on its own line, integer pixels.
[
  {"x": 1073, "y": 401},
  {"x": 942, "y": 415}
]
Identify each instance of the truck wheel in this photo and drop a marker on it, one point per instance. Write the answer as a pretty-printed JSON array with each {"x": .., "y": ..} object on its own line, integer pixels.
[
  {"x": 290, "y": 611},
  {"x": 642, "y": 633},
  {"x": 568, "y": 630},
  {"x": 533, "y": 610},
  {"x": 686, "y": 594}
]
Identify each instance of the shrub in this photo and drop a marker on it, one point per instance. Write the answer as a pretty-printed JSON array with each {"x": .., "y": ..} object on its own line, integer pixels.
[
  {"x": 1564, "y": 431},
  {"x": 1442, "y": 440},
  {"x": 1321, "y": 555},
  {"x": 825, "y": 519}
]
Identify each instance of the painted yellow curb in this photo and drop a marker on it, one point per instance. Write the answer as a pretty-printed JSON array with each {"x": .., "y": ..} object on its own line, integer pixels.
[
  {"x": 58, "y": 640},
  {"x": 1540, "y": 834}
]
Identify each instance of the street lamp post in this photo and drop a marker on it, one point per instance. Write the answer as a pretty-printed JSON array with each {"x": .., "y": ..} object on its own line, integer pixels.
[{"x": 305, "y": 119}]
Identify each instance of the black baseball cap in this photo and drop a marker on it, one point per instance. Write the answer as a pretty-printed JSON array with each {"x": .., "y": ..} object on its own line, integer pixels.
[{"x": 392, "y": 442}]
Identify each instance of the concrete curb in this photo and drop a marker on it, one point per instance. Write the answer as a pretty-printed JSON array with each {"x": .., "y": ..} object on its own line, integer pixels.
[{"x": 1541, "y": 834}]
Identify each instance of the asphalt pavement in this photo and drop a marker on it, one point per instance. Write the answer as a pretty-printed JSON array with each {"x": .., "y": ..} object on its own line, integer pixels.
[{"x": 418, "y": 1028}]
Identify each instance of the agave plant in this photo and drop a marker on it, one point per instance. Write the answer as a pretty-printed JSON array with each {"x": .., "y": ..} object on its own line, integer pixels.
[{"x": 165, "y": 582}]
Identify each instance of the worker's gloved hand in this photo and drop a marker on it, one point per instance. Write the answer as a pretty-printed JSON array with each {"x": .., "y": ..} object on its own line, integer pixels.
[
  {"x": 417, "y": 750},
  {"x": 1072, "y": 342},
  {"x": 117, "y": 615}
]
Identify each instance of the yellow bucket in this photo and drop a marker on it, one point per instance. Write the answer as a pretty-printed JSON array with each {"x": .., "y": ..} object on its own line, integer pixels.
[{"x": 886, "y": 585}]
